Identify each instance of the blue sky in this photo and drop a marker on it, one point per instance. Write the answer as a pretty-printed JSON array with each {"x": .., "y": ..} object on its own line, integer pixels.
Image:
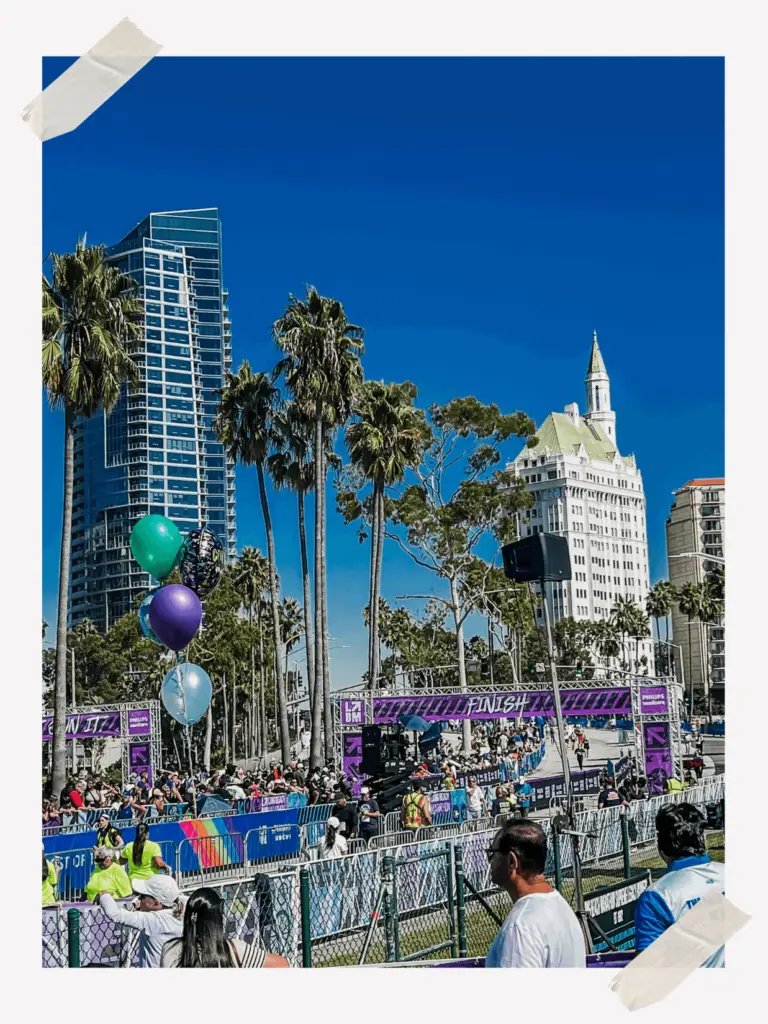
[{"x": 479, "y": 217}]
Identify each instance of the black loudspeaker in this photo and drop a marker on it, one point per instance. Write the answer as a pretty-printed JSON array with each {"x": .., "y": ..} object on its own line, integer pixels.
[
  {"x": 371, "y": 763},
  {"x": 544, "y": 556}
]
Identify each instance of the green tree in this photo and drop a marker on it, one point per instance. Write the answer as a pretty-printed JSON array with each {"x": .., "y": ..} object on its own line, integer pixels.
[
  {"x": 385, "y": 439},
  {"x": 322, "y": 372},
  {"x": 438, "y": 523},
  {"x": 251, "y": 581},
  {"x": 90, "y": 319},
  {"x": 689, "y": 601},
  {"x": 247, "y": 406},
  {"x": 658, "y": 605}
]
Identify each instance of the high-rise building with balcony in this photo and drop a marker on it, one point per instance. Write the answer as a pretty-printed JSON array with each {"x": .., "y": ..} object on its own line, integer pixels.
[
  {"x": 588, "y": 492},
  {"x": 695, "y": 529},
  {"x": 157, "y": 452}
]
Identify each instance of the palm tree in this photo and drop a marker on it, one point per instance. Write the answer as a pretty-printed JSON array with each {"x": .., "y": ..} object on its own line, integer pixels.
[
  {"x": 384, "y": 441},
  {"x": 291, "y": 466},
  {"x": 90, "y": 319},
  {"x": 711, "y": 614},
  {"x": 322, "y": 372},
  {"x": 624, "y": 618},
  {"x": 658, "y": 605},
  {"x": 251, "y": 580},
  {"x": 605, "y": 637},
  {"x": 244, "y": 424},
  {"x": 689, "y": 601}
]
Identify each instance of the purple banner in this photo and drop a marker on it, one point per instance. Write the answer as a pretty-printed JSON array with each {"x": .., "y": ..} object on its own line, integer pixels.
[
  {"x": 352, "y": 712},
  {"x": 653, "y": 700},
  {"x": 440, "y": 802},
  {"x": 658, "y": 755},
  {"x": 528, "y": 704},
  {"x": 94, "y": 725},
  {"x": 139, "y": 722},
  {"x": 351, "y": 758},
  {"x": 271, "y": 802},
  {"x": 140, "y": 760}
]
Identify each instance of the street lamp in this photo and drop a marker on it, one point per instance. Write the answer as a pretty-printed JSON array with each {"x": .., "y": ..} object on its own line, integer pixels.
[{"x": 700, "y": 554}]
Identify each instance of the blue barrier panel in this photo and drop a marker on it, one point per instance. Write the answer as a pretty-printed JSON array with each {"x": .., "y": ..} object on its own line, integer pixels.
[
  {"x": 314, "y": 813},
  {"x": 274, "y": 841}
]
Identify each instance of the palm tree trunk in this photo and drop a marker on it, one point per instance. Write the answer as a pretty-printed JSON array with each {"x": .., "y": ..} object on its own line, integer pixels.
[
  {"x": 377, "y": 580},
  {"x": 372, "y": 587},
  {"x": 466, "y": 729},
  {"x": 208, "y": 736},
  {"x": 690, "y": 673},
  {"x": 59, "y": 771},
  {"x": 282, "y": 710},
  {"x": 308, "y": 645},
  {"x": 315, "y": 750},
  {"x": 327, "y": 716},
  {"x": 226, "y": 718},
  {"x": 179, "y": 761},
  {"x": 252, "y": 715},
  {"x": 262, "y": 688},
  {"x": 234, "y": 711}
]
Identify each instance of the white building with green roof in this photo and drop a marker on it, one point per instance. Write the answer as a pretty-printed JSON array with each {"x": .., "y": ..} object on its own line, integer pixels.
[{"x": 588, "y": 492}]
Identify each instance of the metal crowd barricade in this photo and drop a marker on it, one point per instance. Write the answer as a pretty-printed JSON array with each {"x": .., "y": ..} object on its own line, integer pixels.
[
  {"x": 357, "y": 846},
  {"x": 427, "y": 832},
  {"x": 203, "y": 858},
  {"x": 290, "y": 836},
  {"x": 392, "y": 822},
  {"x": 476, "y": 825},
  {"x": 390, "y": 839}
]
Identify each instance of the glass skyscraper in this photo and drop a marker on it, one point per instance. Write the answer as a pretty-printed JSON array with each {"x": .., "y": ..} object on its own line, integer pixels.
[{"x": 157, "y": 452}]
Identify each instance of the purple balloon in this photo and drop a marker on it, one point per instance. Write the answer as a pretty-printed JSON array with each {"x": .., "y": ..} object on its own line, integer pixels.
[{"x": 175, "y": 615}]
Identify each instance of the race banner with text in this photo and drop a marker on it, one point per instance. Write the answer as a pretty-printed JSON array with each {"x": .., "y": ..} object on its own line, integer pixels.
[
  {"x": 659, "y": 763},
  {"x": 610, "y": 701},
  {"x": 101, "y": 725}
]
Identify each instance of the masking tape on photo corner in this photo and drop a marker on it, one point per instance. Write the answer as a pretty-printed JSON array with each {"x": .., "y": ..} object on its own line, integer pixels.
[
  {"x": 668, "y": 961},
  {"x": 90, "y": 81}
]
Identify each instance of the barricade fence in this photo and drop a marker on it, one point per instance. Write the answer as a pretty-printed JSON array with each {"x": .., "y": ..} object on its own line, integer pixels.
[{"x": 359, "y": 907}]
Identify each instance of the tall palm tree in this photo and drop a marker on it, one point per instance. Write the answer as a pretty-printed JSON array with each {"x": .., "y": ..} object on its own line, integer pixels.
[
  {"x": 711, "y": 614},
  {"x": 244, "y": 424},
  {"x": 624, "y": 618},
  {"x": 291, "y": 465},
  {"x": 386, "y": 438},
  {"x": 605, "y": 637},
  {"x": 658, "y": 605},
  {"x": 689, "y": 601},
  {"x": 322, "y": 372},
  {"x": 251, "y": 579},
  {"x": 90, "y": 318}
]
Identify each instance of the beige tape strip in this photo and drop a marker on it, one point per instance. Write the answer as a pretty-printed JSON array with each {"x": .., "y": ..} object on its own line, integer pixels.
[
  {"x": 668, "y": 961},
  {"x": 91, "y": 80}
]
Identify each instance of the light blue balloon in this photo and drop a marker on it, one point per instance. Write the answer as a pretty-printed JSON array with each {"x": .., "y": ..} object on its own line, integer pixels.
[
  {"x": 146, "y": 629},
  {"x": 186, "y": 693}
]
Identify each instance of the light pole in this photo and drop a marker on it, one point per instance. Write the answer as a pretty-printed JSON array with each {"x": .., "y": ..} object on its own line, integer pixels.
[{"x": 700, "y": 554}]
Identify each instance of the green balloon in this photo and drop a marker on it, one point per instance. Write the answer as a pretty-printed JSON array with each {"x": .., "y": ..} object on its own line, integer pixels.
[{"x": 155, "y": 544}]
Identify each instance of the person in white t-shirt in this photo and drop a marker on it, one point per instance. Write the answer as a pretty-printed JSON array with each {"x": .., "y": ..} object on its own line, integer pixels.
[{"x": 540, "y": 930}]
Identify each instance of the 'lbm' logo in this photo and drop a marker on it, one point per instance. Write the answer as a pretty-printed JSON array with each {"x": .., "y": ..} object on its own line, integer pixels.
[{"x": 353, "y": 712}]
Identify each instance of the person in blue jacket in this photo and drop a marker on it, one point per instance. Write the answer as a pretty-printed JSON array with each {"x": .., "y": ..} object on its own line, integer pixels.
[
  {"x": 524, "y": 795},
  {"x": 690, "y": 876}
]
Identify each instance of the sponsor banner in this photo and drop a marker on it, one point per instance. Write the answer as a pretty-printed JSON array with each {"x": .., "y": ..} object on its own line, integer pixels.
[
  {"x": 612, "y": 908},
  {"x": 139, "y": 723},
  {"x": 610, "y": 701},
  {"x": 352, "y": 757},
  {"x": 657, "y": 745},
  {"x": 352, "y": 712},
  {"x": 653, "y": 700},
  {"x": 140, "y": 760},
  {"x": 93, "y": 725}
]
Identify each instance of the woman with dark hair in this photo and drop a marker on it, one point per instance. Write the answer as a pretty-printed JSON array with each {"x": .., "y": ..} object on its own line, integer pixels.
[
  {"x": 107, "y": 834},
  {"x": 333, "y": 844},
  {"x": 690, "y": 876},
  {"x": 143, "y": 856},
  {"x": 204, "y": 944}
]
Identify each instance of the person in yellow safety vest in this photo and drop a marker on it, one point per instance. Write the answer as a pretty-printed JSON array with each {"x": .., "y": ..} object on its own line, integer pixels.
[
  {"x": 674, "y": 785},
  {"x": 107, "y": 875},
  {"x": 416, "y": 810},
  {"x": 49, "y": 882}
]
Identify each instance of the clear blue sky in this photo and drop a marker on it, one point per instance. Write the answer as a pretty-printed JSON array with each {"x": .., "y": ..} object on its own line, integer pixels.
[{"x": 479, "y": 217}]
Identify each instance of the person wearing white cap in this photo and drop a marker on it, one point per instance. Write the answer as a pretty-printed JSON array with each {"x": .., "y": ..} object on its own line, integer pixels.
[
  {"x": 333, "y": 844},
  {"x": 157, "y": 917}
]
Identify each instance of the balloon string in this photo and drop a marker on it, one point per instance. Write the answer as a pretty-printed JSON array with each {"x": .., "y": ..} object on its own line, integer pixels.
[{"x": 187, "y": 734}]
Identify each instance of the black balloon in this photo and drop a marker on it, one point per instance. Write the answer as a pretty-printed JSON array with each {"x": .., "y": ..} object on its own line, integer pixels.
[{"x": 201, "y": 561}]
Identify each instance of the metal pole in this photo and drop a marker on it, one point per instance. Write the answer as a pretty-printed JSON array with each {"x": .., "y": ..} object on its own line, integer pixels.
[
  {"x": 74, "y": 705},
  {"x": 490, "y": 652},
  {"x": 461, "y": 913},
  {"x": 306, "y": 924},
  {"x": 73, "y": 937},
  {"x": 625, "y": 845}
]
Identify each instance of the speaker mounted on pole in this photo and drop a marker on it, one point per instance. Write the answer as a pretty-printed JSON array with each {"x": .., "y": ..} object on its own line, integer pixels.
[{"x": 543, "y": 556}]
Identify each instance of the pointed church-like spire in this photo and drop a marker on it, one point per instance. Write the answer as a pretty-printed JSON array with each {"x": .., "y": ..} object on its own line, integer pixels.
[{"x": 596, "y": 364}]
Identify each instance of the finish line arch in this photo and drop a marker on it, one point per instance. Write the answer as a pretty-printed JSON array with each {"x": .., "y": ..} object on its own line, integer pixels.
[{"x": 652, "y": 703}]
